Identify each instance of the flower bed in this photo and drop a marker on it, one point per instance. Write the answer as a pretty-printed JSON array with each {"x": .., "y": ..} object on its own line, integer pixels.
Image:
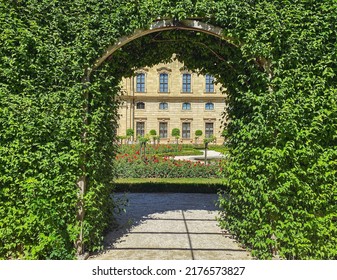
[{"x": 134, "y": 166}]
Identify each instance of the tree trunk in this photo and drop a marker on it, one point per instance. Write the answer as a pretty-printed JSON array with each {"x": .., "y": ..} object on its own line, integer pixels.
[{"x": 206, "y": 146}]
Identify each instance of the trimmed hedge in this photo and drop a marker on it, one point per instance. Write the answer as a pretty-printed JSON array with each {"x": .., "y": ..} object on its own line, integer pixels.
[
  {"x": 279, "y": 69},
  {"x": 177, "y": 185}
]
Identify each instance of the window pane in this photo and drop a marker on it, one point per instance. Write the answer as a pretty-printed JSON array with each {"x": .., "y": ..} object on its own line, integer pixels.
[
  {"x": 140, "y": 83},
  {"x": 163, "y": 129},
  {"x": 186, "y": 83},
  {"x": 163, "y": 82},
  {"x": 209, "y": 83},
  {"x": 186, "y": 106},
  {"x": 209, "y": 130},
  {"x": 209, "y": 106},
  {"x": 140, "y": 105},
  {"x": 186, "y": 130},
  {"x": 140, "y": 128},
  {"x": 163, "y": 106}
]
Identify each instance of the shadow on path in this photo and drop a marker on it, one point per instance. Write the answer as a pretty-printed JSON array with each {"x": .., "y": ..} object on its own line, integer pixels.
[
  {"x": 169, "y": 226},
  {"x": 141, "y": 207}
]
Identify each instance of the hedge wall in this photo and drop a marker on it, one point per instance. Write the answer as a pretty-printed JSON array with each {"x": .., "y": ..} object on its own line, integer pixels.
[{"x": 280, "y": 74}]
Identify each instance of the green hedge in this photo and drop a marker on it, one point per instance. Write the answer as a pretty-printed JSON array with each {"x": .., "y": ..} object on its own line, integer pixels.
[
  {"x": 279, "y": 69},
  {"x": 283, "y": 139},
  {"x": 177, "y": 185}
]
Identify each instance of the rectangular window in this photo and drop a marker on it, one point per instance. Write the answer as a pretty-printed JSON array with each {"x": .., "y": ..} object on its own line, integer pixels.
[
  {"x": 140, "y": 128},
  {"x": 209, "y": 83},
  {"x": 163, "y": 129},
  {"x": 186, "y": 130},
  {"x": 186, "y": 106},
  {"x": 140, "y": 82},
  {"x": 186, "y": 83},
  {"x": 209, "y": 130},
  {"x": 163, "y": 82}
]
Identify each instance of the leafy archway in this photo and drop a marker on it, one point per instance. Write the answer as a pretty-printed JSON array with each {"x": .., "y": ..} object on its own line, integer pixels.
[{"x": 282, "y": 106}]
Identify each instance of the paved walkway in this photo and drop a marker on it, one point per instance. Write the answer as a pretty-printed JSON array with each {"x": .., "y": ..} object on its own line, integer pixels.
[
  {"x": 170, "y": 226},
  {"x": 210, "y": 155}
]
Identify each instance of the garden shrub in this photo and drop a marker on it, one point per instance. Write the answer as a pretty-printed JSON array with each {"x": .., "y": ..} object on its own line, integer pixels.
[
  {"x": 282, "y": 139},
  {"x": 194, "y": 185}
]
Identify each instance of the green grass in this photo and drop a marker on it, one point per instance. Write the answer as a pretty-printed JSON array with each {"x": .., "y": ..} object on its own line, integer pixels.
[
  {"x": 183, "y": 185},
  {"x": 218, "y": 148}
]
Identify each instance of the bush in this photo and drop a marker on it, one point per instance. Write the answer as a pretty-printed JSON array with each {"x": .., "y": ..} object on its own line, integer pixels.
[
  {"x": 184, "y": 185},
  {"x": 57, "y": 124}
]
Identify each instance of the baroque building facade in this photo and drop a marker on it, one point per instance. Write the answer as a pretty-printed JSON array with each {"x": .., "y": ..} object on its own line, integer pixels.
[{"x": 168, "y": 96}]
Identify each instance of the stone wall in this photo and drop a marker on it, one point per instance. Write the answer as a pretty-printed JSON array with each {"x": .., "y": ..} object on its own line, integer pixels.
[{"x": 174, "y": 115}]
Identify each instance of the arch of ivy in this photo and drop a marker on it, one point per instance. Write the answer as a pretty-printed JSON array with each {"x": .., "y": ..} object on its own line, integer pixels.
[{"x": 280, "y": 72}]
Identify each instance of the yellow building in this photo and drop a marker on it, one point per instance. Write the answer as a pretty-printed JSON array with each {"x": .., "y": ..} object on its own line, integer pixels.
[{"x": 168, "y": 96}]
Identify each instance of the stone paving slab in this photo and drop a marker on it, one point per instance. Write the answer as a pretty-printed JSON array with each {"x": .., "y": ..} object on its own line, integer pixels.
[
  {"x": 170, "y": 226},
  {"x": 208, "y": 226},
  {"x": 145, "y": 255},
  {"x": 153, "y": 241},
  {"x": 163, "y": 225}
]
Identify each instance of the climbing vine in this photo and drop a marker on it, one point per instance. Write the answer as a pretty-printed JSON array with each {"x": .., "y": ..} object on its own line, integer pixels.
[{"x": 279, "y": 71}]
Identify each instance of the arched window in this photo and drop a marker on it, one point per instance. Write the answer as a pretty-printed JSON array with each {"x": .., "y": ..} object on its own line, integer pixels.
[
  {"x": 163, "y": 106},
  {"x": 209, "y": 106},
  {"x": 163, "y": 82},
  {"x": 140, "y": 105},
  {"x": 186, "y": 106},
  {"x": 140, "y": 82}
]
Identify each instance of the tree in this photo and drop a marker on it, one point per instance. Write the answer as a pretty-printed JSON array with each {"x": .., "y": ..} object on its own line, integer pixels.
[
  {"x": 206, "y": 142},
  {"x": 176, "y": 134},
  {"x": 153, "y": 133},
  {"x": 198, "y": 133},
  {"x": 121, "y": 138},
  {"x": 142, "y": 143},
  {"x": 130, "y": 134}
]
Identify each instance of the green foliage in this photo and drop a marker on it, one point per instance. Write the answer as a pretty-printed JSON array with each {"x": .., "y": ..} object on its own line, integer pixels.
[
  {"x": 130, "y": 132},
  {"x": 143, "y": 139},
  {"x": 282, "y": 135},
  {"x": 175, "y": 132},
  {"x": 134, "y": 165},
  {"x": 278, "y": 65},
  {"x": 153, "y": 132},
  {"x": 161, "y": 150},
  {"x": 208, "y": 140},
  {"x": 198, "y": 133},
  {"x": 182, "y": 185}
]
